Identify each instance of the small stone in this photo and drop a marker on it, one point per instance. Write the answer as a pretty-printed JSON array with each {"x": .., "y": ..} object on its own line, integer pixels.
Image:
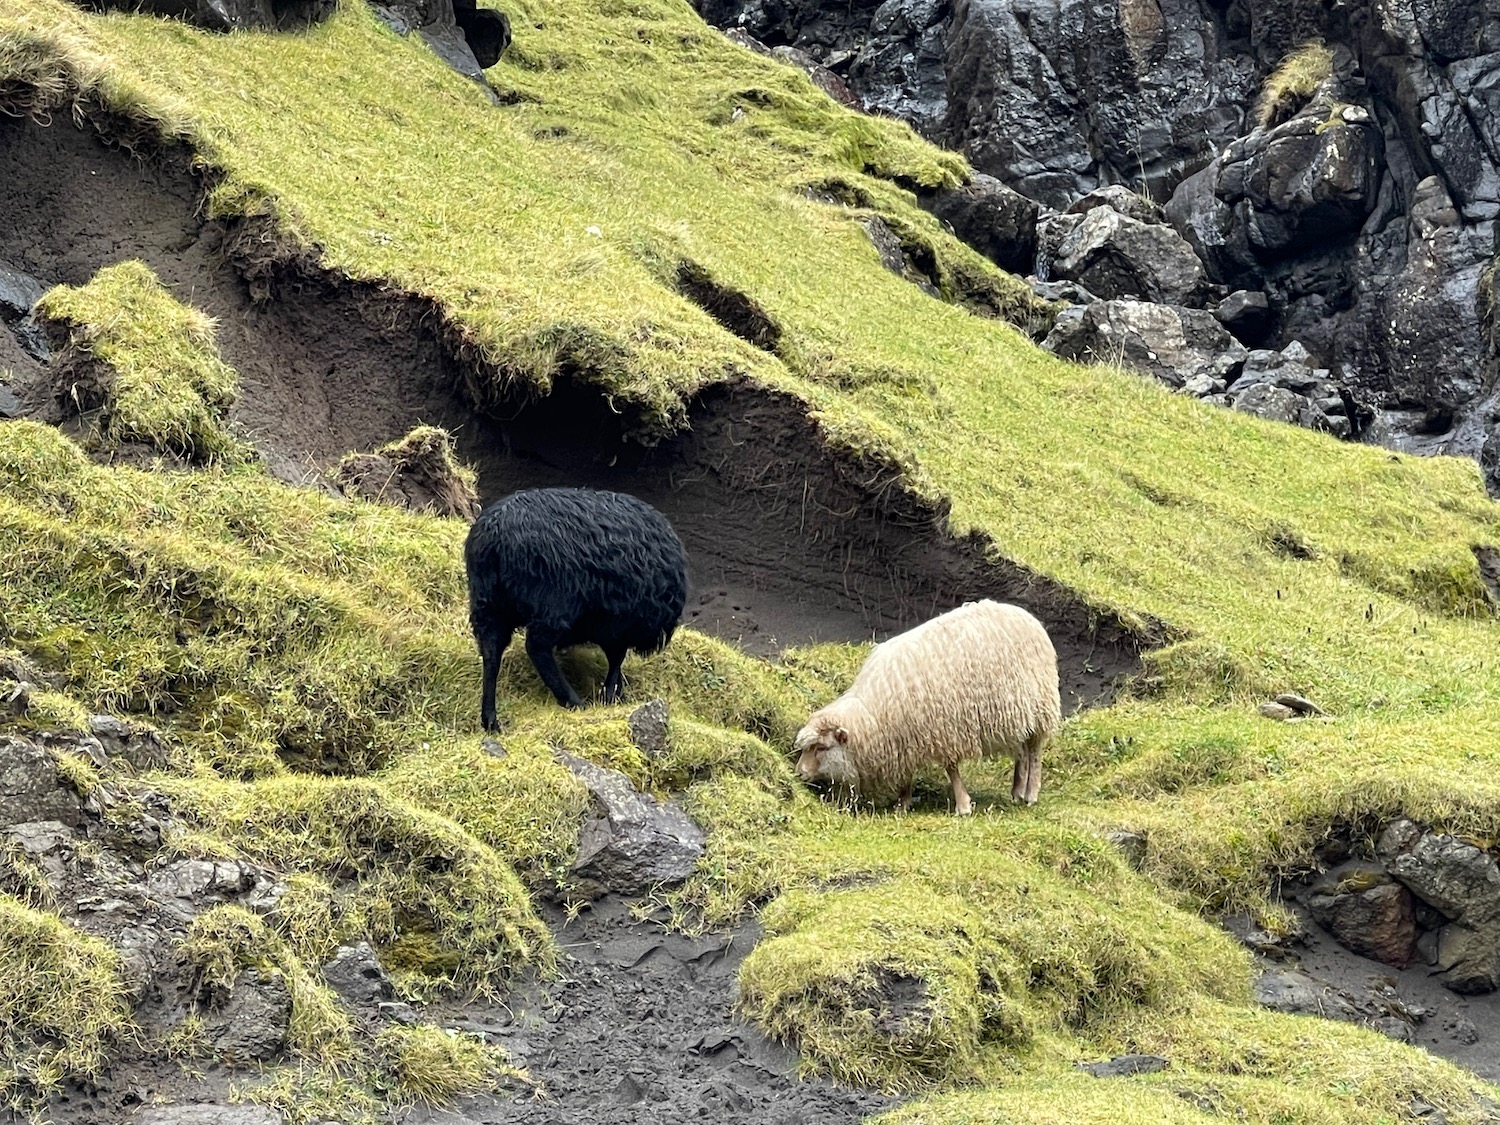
[
  {"x": 648, "y": 728},
  {"x": 1300, "y": 705},
  {"x": 16, "y": 698},
  {"x": 397, "y": 1011},
  {"x": 492, "y": 747},
  {"x": 356, "y": 975},
  {"x": 1123, "y": 1066},
  {"x": 1278, "y": 711},
  {"x": 1393, "y": 1027},
  {"x": 1400, "y": 835},
  {"x": 1130, "y": 844},
  {"x": 1462, "y": 1031},
  {"x": 10, "y": 405}
]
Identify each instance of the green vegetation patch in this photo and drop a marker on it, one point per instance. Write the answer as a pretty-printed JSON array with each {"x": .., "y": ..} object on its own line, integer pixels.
[
  {"x": 1295, "y": 80},
  {"x": 147, "y": 362},
  {"x": 62, "y": 1004},
  {"x": 446, "y": 910},
  {"x": 434, "y": 1065},
  {"x": 225, "y": 940}
]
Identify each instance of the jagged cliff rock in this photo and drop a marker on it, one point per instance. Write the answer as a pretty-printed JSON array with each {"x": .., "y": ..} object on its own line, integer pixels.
[{"x": 1359, "y": 195}]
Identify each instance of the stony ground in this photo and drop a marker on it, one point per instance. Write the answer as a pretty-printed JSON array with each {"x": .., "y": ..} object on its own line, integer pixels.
[{"x": 640, "y": 1026}]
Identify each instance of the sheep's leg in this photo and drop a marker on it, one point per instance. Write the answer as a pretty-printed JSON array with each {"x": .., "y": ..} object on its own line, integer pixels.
[
  {"x": 540, "y": 642},
  {"x": 1019, "y": 776},
  {"x": 492, "y": 640},
  {"x": 962, "y": 805},
  {"x": 906, "y": 795},
  {"x": 614, "y": 681},
  {"x": 1033, "y": 754}
]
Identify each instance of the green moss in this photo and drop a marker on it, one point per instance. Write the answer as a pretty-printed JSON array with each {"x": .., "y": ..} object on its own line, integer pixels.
[
  {"x": 62, "y": 1004},
  {"x": 305, "y": 1094},
  {"x": 945, "y": 964},
  {"x": 162, "y": 381},
  {"x": 698, "y": 751},
  {"x": 524, "y": 806}
]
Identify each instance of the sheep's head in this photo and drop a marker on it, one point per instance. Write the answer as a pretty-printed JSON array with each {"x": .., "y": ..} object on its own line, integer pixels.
[{"x": 823, "y": 751}]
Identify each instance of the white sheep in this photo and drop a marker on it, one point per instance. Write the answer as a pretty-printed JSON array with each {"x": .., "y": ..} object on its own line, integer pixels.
[{"x": 976, "y": 681}]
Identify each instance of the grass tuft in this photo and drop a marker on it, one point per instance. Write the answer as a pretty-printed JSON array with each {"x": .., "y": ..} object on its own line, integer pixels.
[
  {"x": 147, "y": 363},
  {"x": 1295, "y": 80},
  {"x": 62, "y": 1004}
]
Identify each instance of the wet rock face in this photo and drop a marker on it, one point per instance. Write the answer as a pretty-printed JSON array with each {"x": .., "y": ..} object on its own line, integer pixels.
[
  {"x": 996, "y": 221},
  {"x": 1422, "y": 896},
  {"x": 466, "y": 37},
  {"x": 1112, "y": 255},
  {"x": 1178, "y": 346}
]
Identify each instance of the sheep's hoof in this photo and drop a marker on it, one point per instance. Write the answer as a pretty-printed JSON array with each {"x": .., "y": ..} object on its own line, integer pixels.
[{"x": 966, "y": 810}]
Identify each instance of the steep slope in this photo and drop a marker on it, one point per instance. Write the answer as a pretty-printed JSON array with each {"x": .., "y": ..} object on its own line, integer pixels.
[{"x": 569, "y": 241}]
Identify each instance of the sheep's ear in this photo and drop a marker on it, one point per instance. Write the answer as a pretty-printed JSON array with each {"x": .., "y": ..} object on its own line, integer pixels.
[{"x": 841, "y": 736}]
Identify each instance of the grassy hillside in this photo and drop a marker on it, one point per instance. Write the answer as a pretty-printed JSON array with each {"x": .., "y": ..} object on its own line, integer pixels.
[{"x": 278, "y": 632}]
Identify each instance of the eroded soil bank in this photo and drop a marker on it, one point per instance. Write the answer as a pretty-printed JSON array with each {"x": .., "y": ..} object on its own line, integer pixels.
[{"x": 790, "y": 542}]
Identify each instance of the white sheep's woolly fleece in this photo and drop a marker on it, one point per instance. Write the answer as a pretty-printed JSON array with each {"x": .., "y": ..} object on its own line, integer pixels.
[{"x": 980, "y": 680}]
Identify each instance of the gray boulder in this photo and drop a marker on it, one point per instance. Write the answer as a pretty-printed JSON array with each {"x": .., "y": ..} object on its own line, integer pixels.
[
  {"x": 998, "y": 222},
  {"x": 355, "y": 973},
  {"x": 631, "y": 843},
  {"x": 1274, "y": 404},
  {"x": 1462, "y": 882},
  {"x": 1115, "y": 256},
  {"x": 252, "y": 1022},
  {"x": 1174, "y": 345},
  {"x": 1367, "y": 912},
  {"x": 30, "y": 787},
  {"x": 1247, "y": 315},
  {"x": 1119, "y": 198}
]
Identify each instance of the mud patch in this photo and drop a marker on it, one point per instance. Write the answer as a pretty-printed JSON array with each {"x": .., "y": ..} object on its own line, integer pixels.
[
  {"x": 1408, "y": 1004},
  {"x": 641, "y": 1027}
]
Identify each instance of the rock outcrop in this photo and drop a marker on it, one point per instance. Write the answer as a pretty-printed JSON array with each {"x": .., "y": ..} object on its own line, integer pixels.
[{"x": 1350, "y": 193}]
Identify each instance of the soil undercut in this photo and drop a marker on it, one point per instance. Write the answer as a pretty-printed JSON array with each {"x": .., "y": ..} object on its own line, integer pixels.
[{"x": 790, "y": 541}]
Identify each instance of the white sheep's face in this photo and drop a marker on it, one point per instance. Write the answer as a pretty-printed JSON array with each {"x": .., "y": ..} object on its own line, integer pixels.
[{"x": 823, "y": 751}]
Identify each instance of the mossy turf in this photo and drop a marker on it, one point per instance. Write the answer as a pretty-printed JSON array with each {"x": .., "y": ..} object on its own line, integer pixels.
[
  {"x": 279, "y": 634},
  {"x": 162, "y": 382}
]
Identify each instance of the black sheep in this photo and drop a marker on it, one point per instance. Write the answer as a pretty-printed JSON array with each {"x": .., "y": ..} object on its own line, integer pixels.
[{"x": 574, "y": 566}]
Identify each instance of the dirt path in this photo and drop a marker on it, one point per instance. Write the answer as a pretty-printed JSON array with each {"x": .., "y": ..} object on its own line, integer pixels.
[{"x": 640, "y": 1028}]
